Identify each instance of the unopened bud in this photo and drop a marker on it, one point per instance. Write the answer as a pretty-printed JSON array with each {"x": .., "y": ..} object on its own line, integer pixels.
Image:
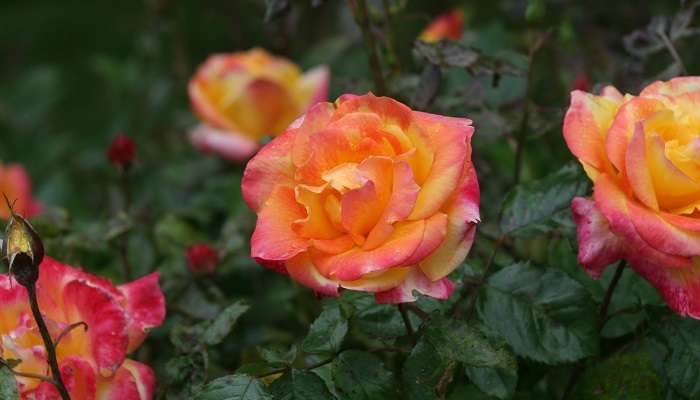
[
  {"x": 202, "y": 258},
  {"x": 121, "y": 151},
  {"x": 22, "y": 249}
]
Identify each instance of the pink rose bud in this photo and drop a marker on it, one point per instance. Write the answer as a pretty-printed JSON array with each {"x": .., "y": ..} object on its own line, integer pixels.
[
  {"x": 202, "y": 258},
  {"x": 121, "y": 151}
]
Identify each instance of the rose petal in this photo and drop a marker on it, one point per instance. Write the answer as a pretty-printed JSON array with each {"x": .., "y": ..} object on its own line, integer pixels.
[
  {"x": 440, "y": 289},
  {"x": 106, "y": 338},
  {"x": 598, "y": 247},
  {"x": 314, "y": 85},
  {"x": 463, "y": 214},
  {"x": 145, "y": 307},
  {"x": 274, "y": 238},
  {"x": 638, "y": 170},
  {"x": 449, "y": 138},
  {"x": 356, "y": 263},
  {"x": 302, "y": 270},
  {"x": 613, "y": 204},
  {"x": 230, "y": 145},
  {"x": 586, "y": 126},
  {"x": 272, "y": 166}
]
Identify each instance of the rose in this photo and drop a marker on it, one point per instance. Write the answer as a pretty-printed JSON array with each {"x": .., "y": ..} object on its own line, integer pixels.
[
  {"x": 446, "y": 26},
  {"x": 93, "y": 362},
  {"x": 16, "y": 186},
  {"x": 242, "y": 97},
  {"x": 367, "y": 195},
  {"x": 121, "y": 151},
  {"x": 642, "y": 152}
]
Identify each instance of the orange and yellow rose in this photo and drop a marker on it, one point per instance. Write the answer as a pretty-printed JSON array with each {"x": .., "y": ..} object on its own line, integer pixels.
[
  {"x": 366, "y": 194},
  {"x": 643, "y": 155},
  {"x": 242, "y": 97},
  {"x": 446, "y": 26},
  {"x": 15, "y": 184},
  {"x": 93, "y": 362}
]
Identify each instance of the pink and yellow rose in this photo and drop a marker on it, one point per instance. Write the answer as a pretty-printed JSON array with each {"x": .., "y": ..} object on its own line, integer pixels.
[
  {"x": 93, "y": 363},
  {"x": 446, "y": 26},
  {"x": 643, "y": 155},
  {"x": 15, "y": 184},
  {"x": 242, "y": 97},
  {"x": 366, "y": 194}
]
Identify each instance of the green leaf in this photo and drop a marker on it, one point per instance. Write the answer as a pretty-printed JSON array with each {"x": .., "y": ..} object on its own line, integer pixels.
[
  {"x": 624, "y": 377},
  {"x": 327, "y": 332},
  {"x": 542, "y": 313},
  {"x": 679, "y": 358},
  {"x": 539, "y": 206},
  {"x": 299, "y": 385},
  {"x": 444, "y": 343},
  {"x": 222, "y": 325},
  {"x": 186, "y": 374},
  {"x": 359, "y": 375},
  {"x": 466, "y": 343},
  {"x": 498, "y": 382},
  {"x": 279, "y": 355},
  {"x": 376, "y": 320},
  {"x": 8, "y": 385},
  {"x": 447, "y": 53},
  {"x": 422, "y": 370},
  {"x": 234, "y": 387}
]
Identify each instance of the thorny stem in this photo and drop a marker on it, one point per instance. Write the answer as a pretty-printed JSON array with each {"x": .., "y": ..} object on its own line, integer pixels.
[
  {"x": 602, "y": 318},
  {"x": 287, "y": 368},
  {"x": 407, "y": 321},
  {"x": 672, "y": 49},
  {"x": 391, "y": 41},
  {"x": 359, "y": 9},
  {"x": 48, "y": 342},
  {"x": 124, "y": 241},
  {"x": 482, "y": 279},
  {"x": 522, "y": 130}
]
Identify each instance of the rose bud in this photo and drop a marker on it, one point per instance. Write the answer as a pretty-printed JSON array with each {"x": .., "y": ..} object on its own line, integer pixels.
[
  {"x": 581, "y": 82},
  {"x": 366, "y": 194},
  {"x": 244, "y": 96},
  {"x": 121, "y": 151},
  {"x": 641, "y": 152},
  {"x": 22, "y": 249},
  {"x": 446, "y": 26},
  {"x": 202, "y": 258},
  {"x": 15, "y": 185}
]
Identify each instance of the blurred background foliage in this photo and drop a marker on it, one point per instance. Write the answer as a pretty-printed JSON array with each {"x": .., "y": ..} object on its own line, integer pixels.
[{"x": 76, "y": 73}]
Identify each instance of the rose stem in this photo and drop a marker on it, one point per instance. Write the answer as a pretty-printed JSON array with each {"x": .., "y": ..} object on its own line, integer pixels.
[
  {"x": 48, "y": 342},
  {"x": 407, "y": 322},
  {"x": 359, "y": 8},
  {"x": 602, "y": 318},
  {"x": 124, "y": 242}
]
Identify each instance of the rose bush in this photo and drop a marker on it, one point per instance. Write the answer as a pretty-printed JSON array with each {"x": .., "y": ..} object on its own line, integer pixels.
[
  {"x": 16, "y": 186},
  {"x": 93, "y": 362},
  {"x": 242, "y": 97},
  {"x": 366, "y": 194},
  {"x": 642, "y": 152}
]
